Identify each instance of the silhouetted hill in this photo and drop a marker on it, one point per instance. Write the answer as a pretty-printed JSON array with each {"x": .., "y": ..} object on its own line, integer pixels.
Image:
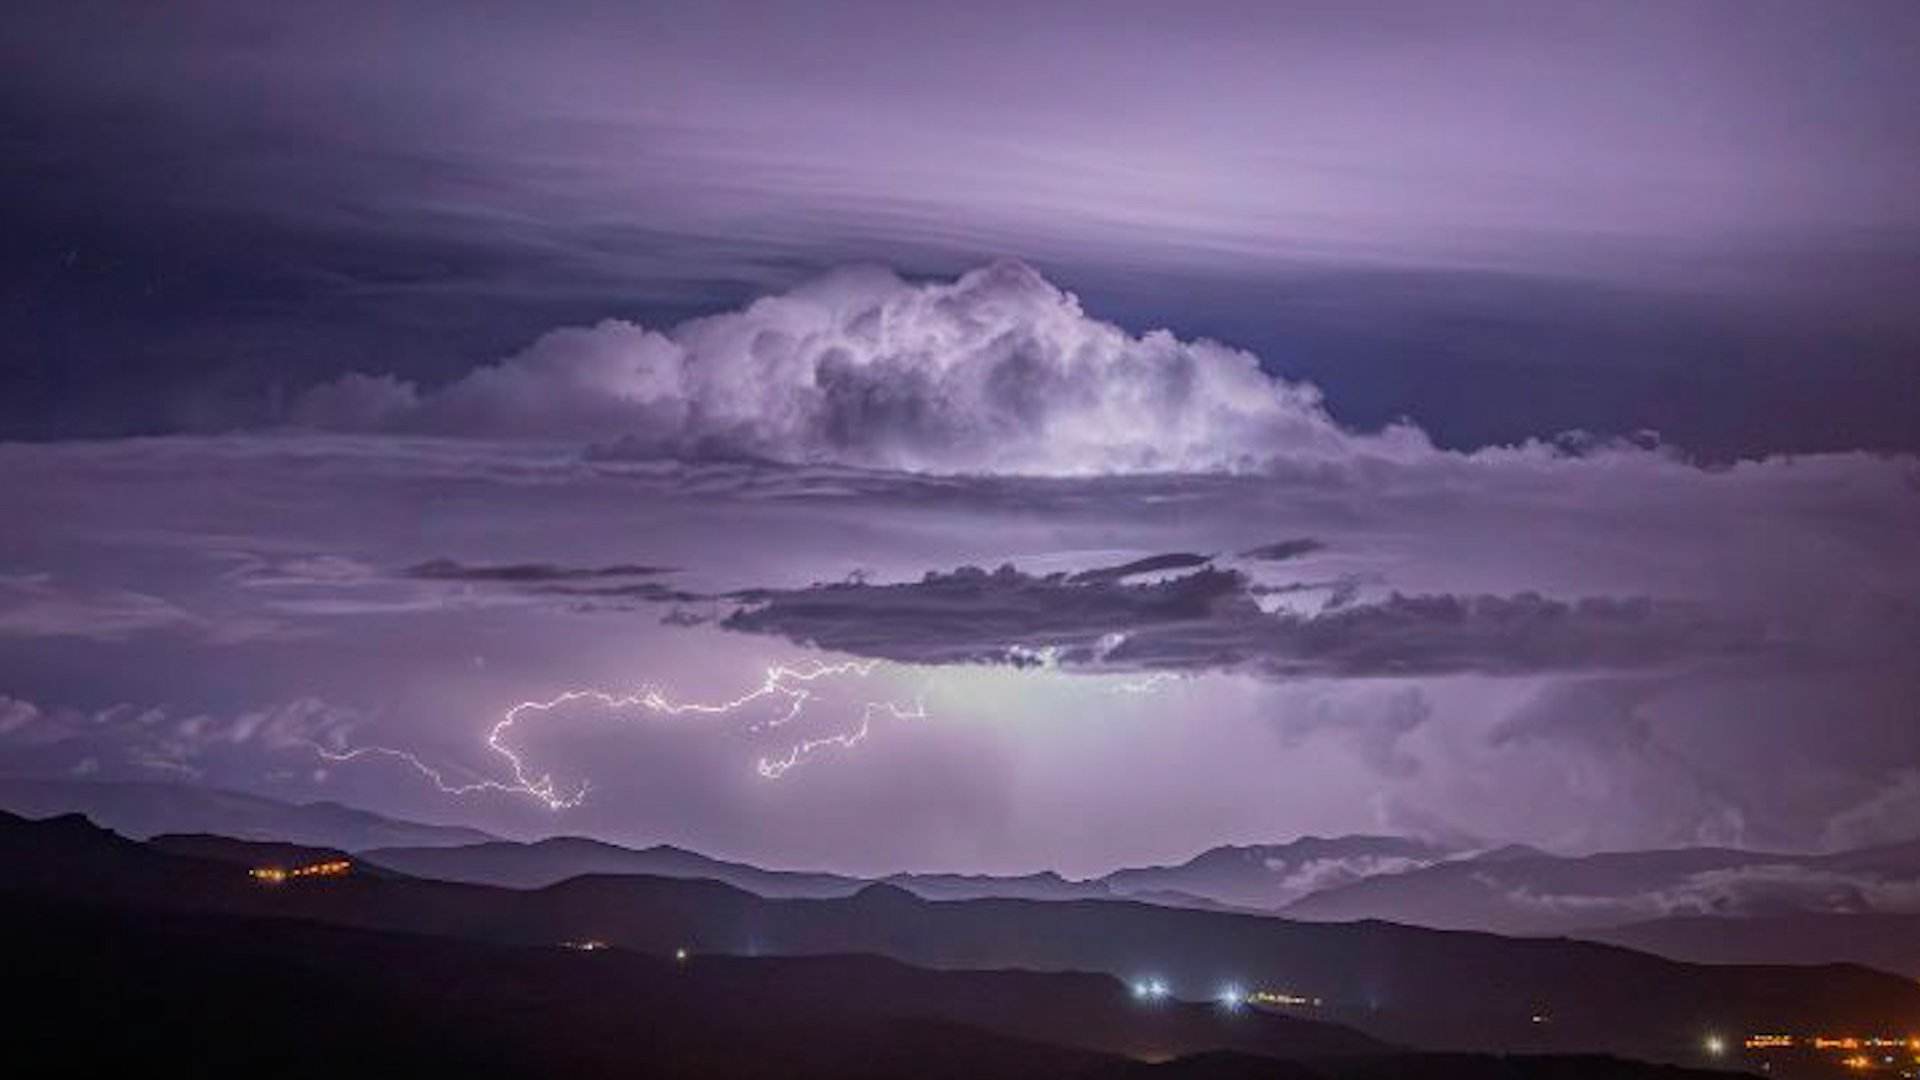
[
  {"x": 546, "y": 862},
  {"x": 1411, "y": 986},
  {"x": 247, "y": 853},
  {"x": 1888, "y": 942},
  {"x": 150, "y": 809},
  {"x": 118, "y": 991},
  {"x": 196, "y": 995},
  {"x": 258, "y": 853},
  {"x": 1041, "y": 886}
]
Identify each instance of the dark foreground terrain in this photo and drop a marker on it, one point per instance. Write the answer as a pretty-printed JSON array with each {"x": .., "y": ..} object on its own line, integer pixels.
[
  {"x": 113, "y": 990},
  {"x": 130, "y": 957}
]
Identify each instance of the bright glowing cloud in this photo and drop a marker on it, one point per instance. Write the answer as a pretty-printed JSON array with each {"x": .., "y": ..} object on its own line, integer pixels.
[{"x": 999, "y": 371}]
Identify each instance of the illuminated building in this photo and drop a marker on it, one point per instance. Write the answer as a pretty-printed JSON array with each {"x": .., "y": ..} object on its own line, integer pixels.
[
  {"x": 1282, "y": 999},
  {"x": 1896, "y": 1054}
]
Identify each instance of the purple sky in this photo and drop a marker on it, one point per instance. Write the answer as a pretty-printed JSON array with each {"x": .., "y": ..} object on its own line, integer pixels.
[
  {"x": 1696, "y": 217},
  {"x": 1597, "y": 647},
  {"x": 484, "y": 352}
]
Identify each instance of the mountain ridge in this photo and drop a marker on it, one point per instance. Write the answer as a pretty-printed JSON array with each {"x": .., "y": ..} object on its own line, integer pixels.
[
  {"x": 1467, "y": 992},
  {"x": 151, "y": 808}
]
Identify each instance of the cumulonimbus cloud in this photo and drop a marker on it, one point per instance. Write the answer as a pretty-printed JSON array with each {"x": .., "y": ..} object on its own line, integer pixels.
[{"x": 999, "y": 371}]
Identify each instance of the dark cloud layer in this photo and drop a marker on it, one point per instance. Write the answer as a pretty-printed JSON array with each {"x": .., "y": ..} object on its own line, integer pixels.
[
  {"x": 1777, "y": 622},
  {"x": 1282, "y": 550},
  {"x": 526, "y": 573},
  {"x": 1152, "y": 564},
  {"x": 1209, "y": 620}
]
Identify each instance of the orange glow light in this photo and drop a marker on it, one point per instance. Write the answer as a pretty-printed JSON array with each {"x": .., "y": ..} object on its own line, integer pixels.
[{"x": 274, "y": 875}]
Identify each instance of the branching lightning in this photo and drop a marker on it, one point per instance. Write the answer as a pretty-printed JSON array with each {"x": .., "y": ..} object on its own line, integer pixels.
[
  {"x": 793, "y": 684},
  {"x": 774, "y": 768}
]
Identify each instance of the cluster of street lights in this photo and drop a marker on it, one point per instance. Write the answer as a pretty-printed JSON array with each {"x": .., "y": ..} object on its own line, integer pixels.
[
  {"x": 1150, "y": 990},
  {"x": 1230, "y": 997}
]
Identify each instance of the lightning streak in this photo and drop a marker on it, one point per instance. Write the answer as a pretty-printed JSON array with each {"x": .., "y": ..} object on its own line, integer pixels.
[
  {"x": 772, "y": 769},
  {"x": 781, "y": 682},
  {"x": 1149, "y": 685}
]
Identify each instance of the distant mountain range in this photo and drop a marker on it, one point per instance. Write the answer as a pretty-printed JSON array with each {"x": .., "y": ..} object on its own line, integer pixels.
[
  {"x": 535, "y": 865},
  {"x": 1412, "y": 987},
  {"x": 1253, "y": 878},
  {"x": 1523, "y": 891},
  {"x": 1698, "y": 904},
  {"x": 1258, "y": 877},
  {"x": 142, "y": 810}
]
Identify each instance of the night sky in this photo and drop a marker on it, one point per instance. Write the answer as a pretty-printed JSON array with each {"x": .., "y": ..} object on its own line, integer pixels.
[{"x": 1517, "y": 404}]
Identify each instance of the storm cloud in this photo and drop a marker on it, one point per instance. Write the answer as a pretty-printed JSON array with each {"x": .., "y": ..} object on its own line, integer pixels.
[
  {"x": 999, "y": 371},
  {"x": 1209, "y": 620},
  {"x": 1282, "y": 550},
  {"x": 525, "y": 573},
  {"x": 386, "y": 357},
  {"x": 1215, "y": 681}
]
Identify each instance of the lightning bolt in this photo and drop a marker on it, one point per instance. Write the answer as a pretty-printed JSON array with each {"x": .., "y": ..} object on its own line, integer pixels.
[
  {"x": 774, "y": 768},
  {"x": 789, "y": 683},
  {"x": 1148, "y": 685}
]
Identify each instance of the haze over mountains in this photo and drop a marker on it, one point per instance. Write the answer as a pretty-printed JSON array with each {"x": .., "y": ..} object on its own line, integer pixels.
[
  {"x": 1256, "y": 877},
  {"x": 1697, "y": 904},
  {"x": 1261, "y": 877},
  {"x": 1378, "y": 983},
  {"x": 1705, "y": 904},
  {"x": 148, "y": 809},
  {"x": 1538, "y": 893},
  {"x": 1709, "y": 904},
  {"x": 1269, "y": 876}
]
